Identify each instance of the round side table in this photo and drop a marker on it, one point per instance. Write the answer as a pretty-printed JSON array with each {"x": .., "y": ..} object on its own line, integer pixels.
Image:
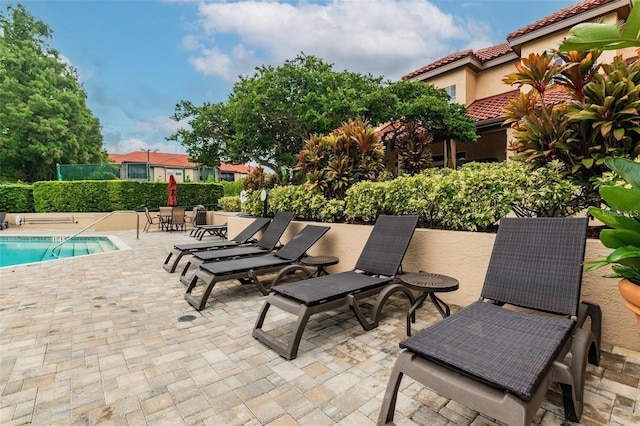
[
  {"x": 428, "y": 285},
  {"x": 320, "y": 262}
]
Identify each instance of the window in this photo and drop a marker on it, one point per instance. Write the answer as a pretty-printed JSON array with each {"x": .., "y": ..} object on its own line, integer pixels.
[
  {"x": 137, "y": 171},
  {"x": 227, "y": 177},
  {"x": 451, "y": 91}
]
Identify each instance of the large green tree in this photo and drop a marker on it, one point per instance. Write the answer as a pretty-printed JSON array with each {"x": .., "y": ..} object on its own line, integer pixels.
[
  {"x": 44, "y": 119},
  {"x": 269, "y": 115}
]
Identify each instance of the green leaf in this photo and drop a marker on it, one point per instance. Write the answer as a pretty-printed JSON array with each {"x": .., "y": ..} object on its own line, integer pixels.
[
  {"x": 629, "y": 253},
  {"x": 622, "y": 199},
  {"x": 615, "y": 238},
  {"x": 614, "y": 220},
  {"x": 627, "y": 169}
]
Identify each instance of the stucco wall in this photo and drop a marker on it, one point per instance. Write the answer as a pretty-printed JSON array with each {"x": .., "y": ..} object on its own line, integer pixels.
[{"x": 465, "y": 256}]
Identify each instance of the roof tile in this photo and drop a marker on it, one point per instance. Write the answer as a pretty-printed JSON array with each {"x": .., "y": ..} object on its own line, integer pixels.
[{"x": 563, "y": 14}]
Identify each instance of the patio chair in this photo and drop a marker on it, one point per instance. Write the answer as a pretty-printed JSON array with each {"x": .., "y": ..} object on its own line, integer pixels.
[
  {"x": 150, "y": 220},
  {"x": 376, "y": 267},
  {"x": 4, "y": 224},
  {"x": 267, "y": 243},
  {"x": 244, "y": 237},
  {"x": 165, "y": 214},
  {"x": 178, "y": 221},
  {"x": 501, "y": 361},
  {"x": 247, "y": 269}
]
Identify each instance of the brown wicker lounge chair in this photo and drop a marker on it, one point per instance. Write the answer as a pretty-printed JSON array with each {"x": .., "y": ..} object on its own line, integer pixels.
[
  {"x": 501, "y": 361},
  {"x": 244, "y": 237},
  {"x": 267, "y": 243},
  {"x": 247, "y": 269},
  {"x": 376, "y": 267}
]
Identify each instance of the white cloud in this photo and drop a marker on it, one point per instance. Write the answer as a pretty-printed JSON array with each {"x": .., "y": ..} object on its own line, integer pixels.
[{"x": 381, "y": 37}]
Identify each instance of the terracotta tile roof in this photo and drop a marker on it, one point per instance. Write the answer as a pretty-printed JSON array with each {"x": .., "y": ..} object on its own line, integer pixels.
[
  {"x": 235, "y": 168},
  {"x": 561, "y": 15},
  {"x": 489, "y": 53},
  {"x": 173, "y": 161},
  {"x": 491, "y": 108},
  {"x": 439, "y": 63},
  {"x": 155, "y": 158}
]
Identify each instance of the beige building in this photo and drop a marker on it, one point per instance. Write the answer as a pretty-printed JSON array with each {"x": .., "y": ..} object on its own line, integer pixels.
[
  {"x": 158, "y": 166},
  {"x": 474, "y": 78}
]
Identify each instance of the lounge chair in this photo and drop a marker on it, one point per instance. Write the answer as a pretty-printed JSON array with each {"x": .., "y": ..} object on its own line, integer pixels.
[
  {"x": 247, "y": 269},
  {"x": 200, "y": 231},
  {"x": 376, "y": 267},
  {"x": 244, "y": 237},
  {"x": 501, "y": 361},
  {"x": 267, "y": 243}
]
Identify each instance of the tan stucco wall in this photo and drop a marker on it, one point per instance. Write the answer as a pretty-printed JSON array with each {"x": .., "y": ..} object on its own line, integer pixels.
[
  {"x": 465, "y": 256},
  {"x": 489, "y": 81},
  {"x": 457, "y": 77}
]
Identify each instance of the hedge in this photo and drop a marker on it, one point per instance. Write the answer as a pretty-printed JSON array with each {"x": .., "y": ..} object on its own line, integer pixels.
[{"x": 103, "y": 196}]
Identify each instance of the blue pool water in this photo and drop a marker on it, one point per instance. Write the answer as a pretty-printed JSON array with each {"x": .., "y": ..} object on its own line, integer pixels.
[{"x": 18, "y": 250}]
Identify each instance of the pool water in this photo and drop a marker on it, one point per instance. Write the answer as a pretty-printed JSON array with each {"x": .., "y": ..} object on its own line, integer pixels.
[{"x": 18, "y": 250}]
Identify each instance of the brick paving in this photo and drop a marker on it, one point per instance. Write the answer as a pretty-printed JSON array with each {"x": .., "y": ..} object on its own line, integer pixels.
[{"x": 97, "y": 340}]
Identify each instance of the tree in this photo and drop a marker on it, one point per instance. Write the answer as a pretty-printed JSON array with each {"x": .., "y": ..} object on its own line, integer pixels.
[
  {"x": 270, "y": 114},
  {"x": 44, "y": 119},
  {"x": 417, "y": 115}
]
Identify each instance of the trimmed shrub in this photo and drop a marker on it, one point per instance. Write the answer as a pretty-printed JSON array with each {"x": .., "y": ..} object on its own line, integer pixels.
[
  {"x": 16, "y": 198},
  {"x": 230, "y": 204}
]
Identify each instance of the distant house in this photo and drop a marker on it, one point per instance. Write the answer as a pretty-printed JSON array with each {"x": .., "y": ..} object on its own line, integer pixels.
[
  {"x": 158, "y": 166},
  {"x": 474, "y": 78}
]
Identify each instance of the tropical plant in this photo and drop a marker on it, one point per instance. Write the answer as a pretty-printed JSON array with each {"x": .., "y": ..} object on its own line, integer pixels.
[
  {"x": 601, "y": 36},
  {"x": 332, "y": 163},
  {"x": 599, "y": 120},
  {"x": 623, "y": 218}
]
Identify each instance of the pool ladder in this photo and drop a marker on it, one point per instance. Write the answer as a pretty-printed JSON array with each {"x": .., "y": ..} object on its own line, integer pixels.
[{"x": 53, "y": 250}]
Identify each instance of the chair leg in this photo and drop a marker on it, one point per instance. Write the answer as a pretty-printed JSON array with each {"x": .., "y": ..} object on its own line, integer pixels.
[
  {"x": 388, "y": 408},
  {"x": 290, "y": 350},
  {"x": 593, "y": 311},
  {"x": 210, "y": 280},
  {"x": 177, "y": 255}
]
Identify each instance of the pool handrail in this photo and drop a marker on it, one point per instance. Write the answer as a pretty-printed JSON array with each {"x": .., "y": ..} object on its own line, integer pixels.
[{"x": 98, "y": 221}]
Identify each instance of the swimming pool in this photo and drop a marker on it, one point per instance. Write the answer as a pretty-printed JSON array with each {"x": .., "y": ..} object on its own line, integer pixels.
[{"x": 19, "y": 250}]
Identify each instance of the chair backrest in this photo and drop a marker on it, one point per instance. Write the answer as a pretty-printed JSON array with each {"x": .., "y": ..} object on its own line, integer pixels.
[
  {"x": 148, "y": 215},
  {"x": 387, "y": 244},
  {"x": 177, "y": 215},
  {"x": 251, "y": 230},
  {"x": 537, "y": 263},
  {"x": 274, "y": 231},
  {"x": 165, "y": 211},
  {"x": 301, "y": 242}
]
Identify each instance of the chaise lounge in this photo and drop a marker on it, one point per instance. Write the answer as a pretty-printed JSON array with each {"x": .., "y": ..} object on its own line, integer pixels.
[
  {"x": 267, "y": 243},
  {"x": 244, "y": 237},
  {"x": 376, "y": 267},
  {"x": 501, "y": 361},
  {"x": 247, "y": 269}
]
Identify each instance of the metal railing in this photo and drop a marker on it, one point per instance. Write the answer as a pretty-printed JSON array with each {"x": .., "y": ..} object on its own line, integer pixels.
[{"x": 53, "y": 250}]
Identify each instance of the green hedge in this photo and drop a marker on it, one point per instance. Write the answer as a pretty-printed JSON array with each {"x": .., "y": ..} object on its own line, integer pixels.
[
  {"x": 471, "y": 198},
  {"x": 103, "y": 196},
  {"x": 16, "y": 198}
]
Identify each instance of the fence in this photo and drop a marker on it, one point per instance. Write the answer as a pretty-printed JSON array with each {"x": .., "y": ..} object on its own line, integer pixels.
[{"x": 103, "y": 171}]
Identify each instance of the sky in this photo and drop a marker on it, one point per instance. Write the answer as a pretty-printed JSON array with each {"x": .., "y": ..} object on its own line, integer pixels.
[{"x": 137, "y": 59}]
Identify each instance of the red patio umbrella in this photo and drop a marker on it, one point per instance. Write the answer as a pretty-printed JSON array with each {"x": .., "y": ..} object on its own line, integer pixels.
[{"x": 172, "y": 188}]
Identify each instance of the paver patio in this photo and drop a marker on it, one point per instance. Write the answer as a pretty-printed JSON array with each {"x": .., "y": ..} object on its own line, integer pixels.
[{"x": 97, "y": 340}]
